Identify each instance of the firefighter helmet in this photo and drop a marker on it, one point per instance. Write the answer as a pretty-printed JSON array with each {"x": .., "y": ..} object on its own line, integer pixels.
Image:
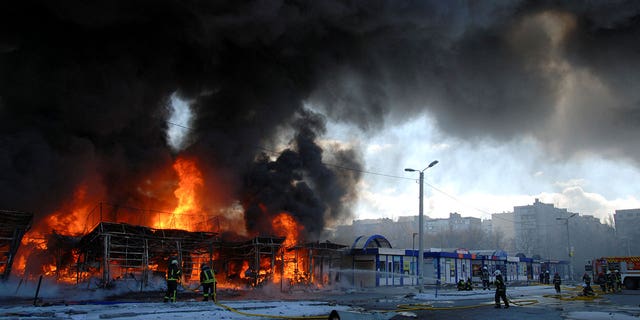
[
  {"x": 174, "y": 261},
  {"x": 497, "y": 273}
]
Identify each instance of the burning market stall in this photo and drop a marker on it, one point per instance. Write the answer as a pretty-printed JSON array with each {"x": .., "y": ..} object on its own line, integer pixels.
[
  {"x": 120, "y": 251},
  {"x": 13, "y": 226},
  {"x": 250, "y": 262},
  {"x": 315, "y": 263}
]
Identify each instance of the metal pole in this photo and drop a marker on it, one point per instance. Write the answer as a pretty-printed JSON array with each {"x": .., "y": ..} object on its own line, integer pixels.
[
  {"x": 570, "y": 253},
  {"x": 35, "y": 299},
  {"x": 421, "y": 235},
  {"x": 413, "y": 257}
]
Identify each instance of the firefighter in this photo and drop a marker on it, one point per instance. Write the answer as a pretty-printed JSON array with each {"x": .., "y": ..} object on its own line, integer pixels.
[
  {"x": 618, "y": 280},
  {"x": 602, "y": 281},
  {"x": 468, "y": 285},
  {"x": 485, "y": 278},
  {"x": 461, "y": 285},
  {"x": 208, "y": 282},
  {"x": 547, "y": 275},
  {"x": 501, "y": 290},
  {"x": 611, "y": 280},
  {"x": 587, "y": 290},
  {"x": 556, "y": 282},
  {"x": 173, "y": 276}
]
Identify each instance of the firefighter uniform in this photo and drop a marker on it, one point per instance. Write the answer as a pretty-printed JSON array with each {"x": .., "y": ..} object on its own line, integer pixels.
[
  {"x": 485, "y": 278},
  {"x": 208, "y": 281},
  {"x": 611, "y": 281},
  {"x": 173, "y": 276},
  {"x": 501, "y": 290},
  {"x": 557, "y": 282},
  {"x": 618, "y": 280}
]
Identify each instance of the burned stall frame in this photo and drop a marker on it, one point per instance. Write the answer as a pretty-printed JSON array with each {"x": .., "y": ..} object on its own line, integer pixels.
[
  {"x": 253, "y": 251},
  {"x": 121, "y": 251},
  {"x": 316, "y": 263},
  {"x": 13, "y": 226}
]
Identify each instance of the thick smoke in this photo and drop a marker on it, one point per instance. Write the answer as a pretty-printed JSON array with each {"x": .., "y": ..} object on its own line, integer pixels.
[{"x": 83, "y": 89}]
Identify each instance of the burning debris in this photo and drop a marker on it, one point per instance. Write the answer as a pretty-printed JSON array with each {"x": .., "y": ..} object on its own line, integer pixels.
[
  {"x": 13, "y": 226},
  {"x": 116, "y": 253}
]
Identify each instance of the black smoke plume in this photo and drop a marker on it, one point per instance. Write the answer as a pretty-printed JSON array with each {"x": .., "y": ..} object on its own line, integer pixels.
[{"x": 84, "y": 88}]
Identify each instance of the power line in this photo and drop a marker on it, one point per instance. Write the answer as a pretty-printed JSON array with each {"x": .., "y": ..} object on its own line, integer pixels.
[{"x": 363, "y": 171}]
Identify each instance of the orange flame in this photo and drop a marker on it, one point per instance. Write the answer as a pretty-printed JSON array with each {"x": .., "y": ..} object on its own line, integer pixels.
[
  {"x": 189, "y": 184},
  {"x": 285, "y": 225}
]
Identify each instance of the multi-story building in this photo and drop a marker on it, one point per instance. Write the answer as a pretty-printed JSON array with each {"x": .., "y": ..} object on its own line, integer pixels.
[
  {"x": 455, "y": 222},
  {"x": 503, "y": 229},
  {"x": 627, "y": 231},
  {"x": 540, "y": 230}
]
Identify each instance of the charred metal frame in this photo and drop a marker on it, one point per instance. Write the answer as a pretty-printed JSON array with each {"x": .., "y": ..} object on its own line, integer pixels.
[
  {"x": 13, "y": 226},
  {"x": 252, "y": 251},
  {"x": 134, "y": 249},
  {"x": 323, "y": 259}
]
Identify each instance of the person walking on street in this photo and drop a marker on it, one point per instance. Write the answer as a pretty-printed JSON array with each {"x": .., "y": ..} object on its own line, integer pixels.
[
  {"x": 173, "y": 276},
  {"x": 208, "y": 281},
  {"x": 501, "y": 290},
  {"x": 557, "y": 282}
]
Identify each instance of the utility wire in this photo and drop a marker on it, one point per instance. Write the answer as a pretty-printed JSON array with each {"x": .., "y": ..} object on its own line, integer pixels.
[{"x": 368, "y": 172}]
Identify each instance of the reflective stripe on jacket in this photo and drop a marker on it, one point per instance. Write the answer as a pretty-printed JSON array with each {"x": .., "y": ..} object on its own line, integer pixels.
[
  {"x": 207, "y": 276},
  {"x": 174, "y": 272}
]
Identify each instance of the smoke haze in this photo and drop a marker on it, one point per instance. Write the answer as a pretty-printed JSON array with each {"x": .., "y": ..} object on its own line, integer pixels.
[{"x": 84, "y": 89}]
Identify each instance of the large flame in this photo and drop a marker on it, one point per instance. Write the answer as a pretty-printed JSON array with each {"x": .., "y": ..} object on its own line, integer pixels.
[
  {"x": 180, "y": 208},
  {"x": 285, "y": 225},
  {"x": 188, "y": 209}
]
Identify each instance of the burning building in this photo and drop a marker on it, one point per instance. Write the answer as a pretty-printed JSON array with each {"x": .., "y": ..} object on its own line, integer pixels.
[{"x": 124, "y": 134}]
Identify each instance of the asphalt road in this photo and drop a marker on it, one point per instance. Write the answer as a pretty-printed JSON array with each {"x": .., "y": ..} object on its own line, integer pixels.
[{"x": 400, "y": 303}]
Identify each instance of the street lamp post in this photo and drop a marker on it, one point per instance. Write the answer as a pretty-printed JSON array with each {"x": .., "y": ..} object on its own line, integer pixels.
[
  {"x": 413, "y": 248},
  {"x": 421, "y": 224},
  {"x": 569, "y": 245}
]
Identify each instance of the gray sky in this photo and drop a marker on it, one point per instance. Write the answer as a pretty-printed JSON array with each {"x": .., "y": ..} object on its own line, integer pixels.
[{"x": 483, "y": 177}]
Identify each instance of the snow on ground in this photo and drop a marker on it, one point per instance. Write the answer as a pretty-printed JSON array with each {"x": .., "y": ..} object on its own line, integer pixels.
[
  {"x": 515, "y": 292},
  {"x": 594, "y": 315},
  {"x": 274, "y": 309},
  {"x": 179, "y": 310}
]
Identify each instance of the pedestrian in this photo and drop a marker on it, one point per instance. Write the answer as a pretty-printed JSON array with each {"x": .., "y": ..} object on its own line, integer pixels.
[
  {"x": 173, "y": 276},
  {"x": 485, "y": 278},
  {"x": 208, "y": 281},
  {"x": 556, "y": 282},
  {"x": 501, "y": 290}
]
